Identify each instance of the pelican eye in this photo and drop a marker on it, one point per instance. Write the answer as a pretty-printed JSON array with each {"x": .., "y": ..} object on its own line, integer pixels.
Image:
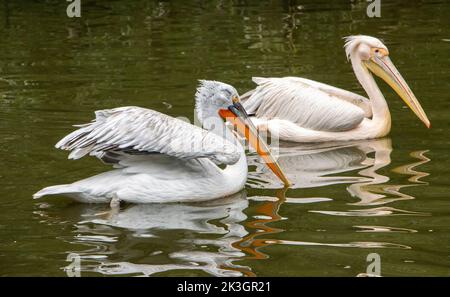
[
  {"x": 235, "y": 99},
  {"x": 379, "y": 52}
]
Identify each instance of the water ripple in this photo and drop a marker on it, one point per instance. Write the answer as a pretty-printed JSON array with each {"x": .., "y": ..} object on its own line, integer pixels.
[
  {"x": 362, "y": 244},
  {"x": 371, "y": 212},
  {"x": 383, "y": 229}
]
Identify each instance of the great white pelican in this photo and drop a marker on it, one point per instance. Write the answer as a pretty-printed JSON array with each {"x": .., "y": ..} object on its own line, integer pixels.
[{"x": 302, "y": 110}]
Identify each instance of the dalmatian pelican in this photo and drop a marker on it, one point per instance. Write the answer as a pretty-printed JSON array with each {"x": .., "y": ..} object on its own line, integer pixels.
[
  {"x": 159, "y": 158},
  {"x": 301, "y": 110}
]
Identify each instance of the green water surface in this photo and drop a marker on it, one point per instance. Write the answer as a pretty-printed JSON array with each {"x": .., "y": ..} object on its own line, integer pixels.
[{"x": 388, "y": 196}]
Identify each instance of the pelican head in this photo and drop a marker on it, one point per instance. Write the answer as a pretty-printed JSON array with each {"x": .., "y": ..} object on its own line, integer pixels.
[
  {"x": 214, "y": 99},
  {"x": 212, "y": 96},
  {"x": 374, "y": 56}
]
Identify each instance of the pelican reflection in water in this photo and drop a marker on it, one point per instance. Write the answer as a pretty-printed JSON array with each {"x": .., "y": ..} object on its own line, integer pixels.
[
  {"x": 214, "y": 237},
  {"x": 324, "y": 164},
  {"x": 195, "y": 237}
]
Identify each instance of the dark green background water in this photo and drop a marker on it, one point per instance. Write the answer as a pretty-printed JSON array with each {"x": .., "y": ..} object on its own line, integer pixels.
[{"x": 388, "y": 196}]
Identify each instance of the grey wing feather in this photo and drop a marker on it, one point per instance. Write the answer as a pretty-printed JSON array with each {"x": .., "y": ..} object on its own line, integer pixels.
[
  {"x": 308, "y": 103},
  {"x": 134, "y": 130}
]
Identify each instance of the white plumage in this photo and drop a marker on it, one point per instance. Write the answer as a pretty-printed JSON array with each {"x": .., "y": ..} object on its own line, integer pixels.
[
  {"x": 158, "y": 158},
  {"x": 307, "y": 103},
  {"x": 145, "y": 130},
  {"x": 302, "y": 110}
]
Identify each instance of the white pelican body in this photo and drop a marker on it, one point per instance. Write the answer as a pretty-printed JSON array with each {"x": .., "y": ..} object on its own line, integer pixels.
[
  {"x": 158, "y": 178},
  {"x": 302, "y": 110},
  {"x": 159, "y": 158}
]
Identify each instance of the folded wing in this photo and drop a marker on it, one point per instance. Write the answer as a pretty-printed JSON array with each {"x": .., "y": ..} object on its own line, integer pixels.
[
  {"x": 308, "y": 103},
  {"x": 135, "y": 130}
]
